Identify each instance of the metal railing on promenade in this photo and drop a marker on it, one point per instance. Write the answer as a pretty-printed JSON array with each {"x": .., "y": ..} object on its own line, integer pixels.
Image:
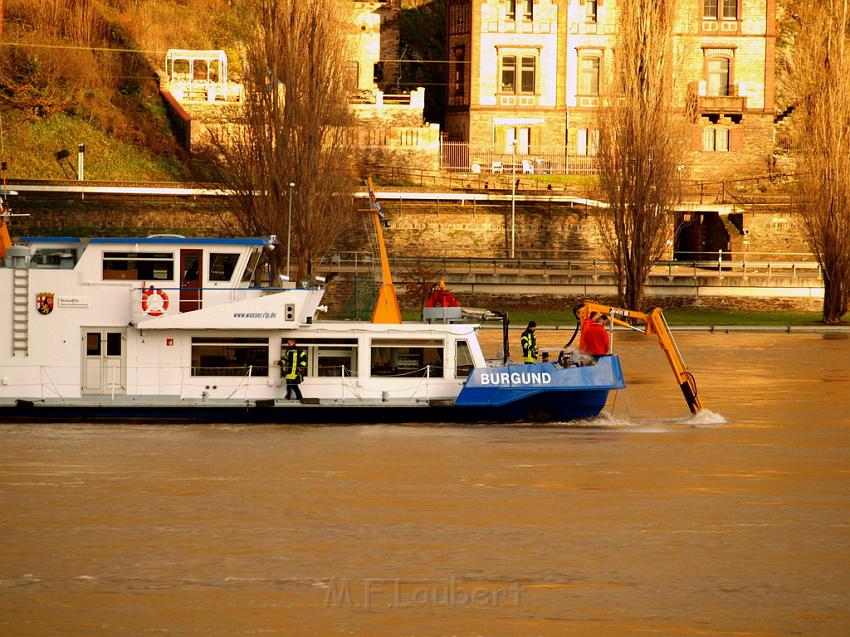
[{"x": 720, "y": 264}]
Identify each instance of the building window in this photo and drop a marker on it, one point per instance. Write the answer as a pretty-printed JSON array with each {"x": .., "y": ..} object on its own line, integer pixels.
[
  {"x": 222, "y": 266},
  {"x": 508, "y": 74},
  {"x": 138, "y": 266},
  {"x": 718, "y": 72},
  {"x": 527, "y": 73},
  {"x": 588, "y": 80},
  {"x": 715, "y": 140},
  {"x": 587, "y": 143},
  {"x": 511, "y": 13},
  {"x": 407, "y": 358},
  {"x": 460, "y": 71},
  {"x": 591, "y": 10},
  {"x": 230, "y": 356},
  {"x": 711, "y": 9},
  {"x": 517, "y": 140},
  {"x": 528, "y": 10}
]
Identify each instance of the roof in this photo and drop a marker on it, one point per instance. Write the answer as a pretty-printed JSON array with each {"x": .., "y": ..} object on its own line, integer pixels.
[
  {"x": 243, "y": 241},
  {"x": 165, "y": 240},
  {"x": 49, "y": 239}
]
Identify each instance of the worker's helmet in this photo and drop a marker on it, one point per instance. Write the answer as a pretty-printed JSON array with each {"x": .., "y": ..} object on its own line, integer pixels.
[{"x": 532, "y": 324}]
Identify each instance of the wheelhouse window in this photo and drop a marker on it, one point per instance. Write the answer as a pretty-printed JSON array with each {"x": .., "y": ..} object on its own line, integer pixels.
[
  {"x": 588, "y": 79},
  {"x": 329, "y": 356},
  {"x": 54, "y": 258},
  {"x": 222, "y": 266},
  {"x": 407, "y": 358},
  {"x": 718, "y": 72},
  {"x": 464, "y": 364},
  {"x": 223, "y": 356},
  {"x": 138, "y": 266}
]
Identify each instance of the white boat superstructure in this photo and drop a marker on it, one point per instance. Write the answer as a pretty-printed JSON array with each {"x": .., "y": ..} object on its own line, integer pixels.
[{"x": 177, "y": 319}]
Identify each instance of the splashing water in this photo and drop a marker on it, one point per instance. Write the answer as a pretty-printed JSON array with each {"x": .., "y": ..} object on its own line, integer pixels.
[{"x": 705, "y": 417}]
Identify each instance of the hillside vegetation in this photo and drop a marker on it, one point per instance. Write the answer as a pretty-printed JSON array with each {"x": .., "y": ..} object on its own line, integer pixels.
[{"x": 60, "y": 86}]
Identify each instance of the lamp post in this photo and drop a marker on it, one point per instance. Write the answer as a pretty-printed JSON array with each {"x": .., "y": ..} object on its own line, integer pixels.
[
  {"x": 289, "y": 229},
  {"x": 513, "y": 198}
]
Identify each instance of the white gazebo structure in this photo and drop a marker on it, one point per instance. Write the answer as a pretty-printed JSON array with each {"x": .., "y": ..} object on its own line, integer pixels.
[{"x": 199, "y": 76}]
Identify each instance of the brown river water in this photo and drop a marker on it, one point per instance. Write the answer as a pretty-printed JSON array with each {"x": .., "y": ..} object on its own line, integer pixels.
[{"x": 644, "y": 522}]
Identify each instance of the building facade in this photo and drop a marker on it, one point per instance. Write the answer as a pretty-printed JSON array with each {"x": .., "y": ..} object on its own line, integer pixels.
[{"x": 526, "y": 78}]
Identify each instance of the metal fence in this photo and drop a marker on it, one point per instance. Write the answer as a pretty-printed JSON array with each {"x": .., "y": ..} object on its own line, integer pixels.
[
  {"x": 569, "y": 263},
  {"x": 476, "y": 158}
]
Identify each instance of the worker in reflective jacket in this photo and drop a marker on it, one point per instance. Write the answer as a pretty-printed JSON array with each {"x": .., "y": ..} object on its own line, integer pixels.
[
  {"x": 293, "y": 364},
  {"x": 529, "y": 343}
]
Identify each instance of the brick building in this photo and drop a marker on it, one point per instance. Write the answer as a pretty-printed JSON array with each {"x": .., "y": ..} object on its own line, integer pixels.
[
  {"x": 375, "y": 43},
  {"x": 391, "y": 127},
  {"x": 526, "y": 76}
]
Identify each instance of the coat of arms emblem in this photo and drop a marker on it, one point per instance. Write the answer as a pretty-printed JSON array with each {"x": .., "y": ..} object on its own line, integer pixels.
[{"x": 44, "y": 302}]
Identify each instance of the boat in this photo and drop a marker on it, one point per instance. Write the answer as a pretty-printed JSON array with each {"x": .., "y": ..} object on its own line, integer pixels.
[{"x": 173, "y": 329}]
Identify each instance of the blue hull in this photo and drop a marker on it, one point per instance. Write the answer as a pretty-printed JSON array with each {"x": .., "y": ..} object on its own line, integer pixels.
[{"x": 542, "y": 391}]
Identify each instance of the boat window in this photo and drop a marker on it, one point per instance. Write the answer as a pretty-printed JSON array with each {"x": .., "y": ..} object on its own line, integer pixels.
[
  {"x": 93, "y": 344},
  {"x": 329, "y": 356},
  {"x": 138, "y": 266},
  {"x": 222, "y": 356},
  {"x": 259, "y": 270},
  {"x": 407, "y": 357},
  {"x": 64, "y": 258},
  {"x": 113, "y": 344},
  {"x": 222, "y": 266},
  {"x": 463, "y": 359}
]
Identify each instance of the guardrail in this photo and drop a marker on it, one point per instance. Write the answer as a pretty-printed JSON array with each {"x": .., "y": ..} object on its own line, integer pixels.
[{"x": 570, "y": 266}]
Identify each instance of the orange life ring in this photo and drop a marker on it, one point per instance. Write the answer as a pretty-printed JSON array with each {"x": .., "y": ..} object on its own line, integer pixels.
[{"x": 154, "y": 309}]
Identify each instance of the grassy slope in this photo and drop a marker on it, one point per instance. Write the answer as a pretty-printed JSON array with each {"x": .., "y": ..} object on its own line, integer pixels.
[
  {"x": 111, "y": 103},
  {"x": 31, "y": 148}
]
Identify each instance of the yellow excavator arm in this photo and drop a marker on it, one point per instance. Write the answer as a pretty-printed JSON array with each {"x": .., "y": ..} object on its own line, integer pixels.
[{"x": 655, "y": 324}]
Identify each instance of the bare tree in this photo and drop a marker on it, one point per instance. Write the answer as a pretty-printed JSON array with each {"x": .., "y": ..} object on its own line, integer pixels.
[
  {"x": 822, "y": 128},
  {"x": 640, "y": 145},
  {"x": 294, "y": 129}
]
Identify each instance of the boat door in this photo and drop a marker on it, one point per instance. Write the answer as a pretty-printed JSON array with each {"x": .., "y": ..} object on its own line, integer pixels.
[
  {"x": 104, "y": 361},
  {"x": 191, "y": 274}
]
